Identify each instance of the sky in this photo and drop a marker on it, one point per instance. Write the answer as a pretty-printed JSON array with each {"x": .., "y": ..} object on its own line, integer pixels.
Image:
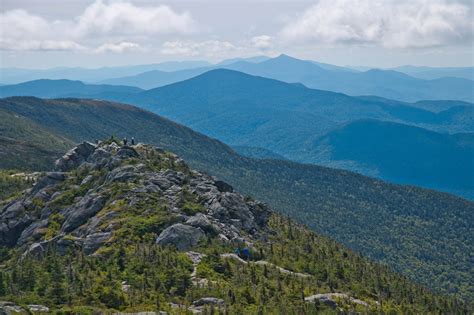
[{"x": 374, "y": 33}]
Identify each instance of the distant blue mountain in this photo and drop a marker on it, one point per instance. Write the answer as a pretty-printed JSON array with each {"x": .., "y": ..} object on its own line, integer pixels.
[
  {"x": 430, "y": 73},
  {"x": 301, "y": 124},
  {"x": 156, "y": 78},
  {"x": 255, "y": 59},
  {"x": 63, "y": 88},
  {"x": 402, "y": 154},
  {"x": 268, "y": 118},
  {"x": 16, "y": 75},
  {"x": 384, "y": 83}
]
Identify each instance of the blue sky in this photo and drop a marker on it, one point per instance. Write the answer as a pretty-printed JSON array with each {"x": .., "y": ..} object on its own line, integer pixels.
[{"x": 379, "y": 33}]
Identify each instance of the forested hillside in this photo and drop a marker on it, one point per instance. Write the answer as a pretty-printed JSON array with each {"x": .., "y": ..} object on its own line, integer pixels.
[
  {"x": 27, "y": 145},
  {"x": 424, "y": 234},
  {"x": 133, "y": 228},
  {"x": 290, "y": 119},
  {"x": 401, "y": 154}
]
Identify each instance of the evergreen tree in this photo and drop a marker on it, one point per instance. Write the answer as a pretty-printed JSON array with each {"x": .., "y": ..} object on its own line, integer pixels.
[
  {"x": 3, "y": 289},
  {"x": 57, "y": 290}
]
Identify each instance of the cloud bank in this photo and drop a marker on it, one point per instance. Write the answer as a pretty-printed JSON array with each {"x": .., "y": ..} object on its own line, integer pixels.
[
  {"x": 123, "y": 18},
  {"x": 208, "y": 48},
  {"x": 21, "y": 30},
  {"x": 127, "y": 26},
  {"x": 389, "y": 23}
]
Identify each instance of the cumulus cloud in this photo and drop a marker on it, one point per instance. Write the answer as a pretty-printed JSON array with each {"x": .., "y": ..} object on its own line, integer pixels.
[
  {"x": 45, "y": 45},
  {"x": 262, "y": 42},
  {"x": 124, "y": 18},
  {"x": 390, "y": 23},
  {"x": 102, "y": 20},
  {"x": 21, "y": 24},
  {"x": 208, "y": 48},
  {"x": 118, "y": 48}
]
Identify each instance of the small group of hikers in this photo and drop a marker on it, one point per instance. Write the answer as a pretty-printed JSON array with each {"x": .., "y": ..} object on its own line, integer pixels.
[{"x": 125, "y": 141}]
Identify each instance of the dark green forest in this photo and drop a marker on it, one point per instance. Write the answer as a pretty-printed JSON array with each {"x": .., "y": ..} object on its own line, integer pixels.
[
  {"x": 423, "y": 234},
  {"x": 132, "y": 273}
]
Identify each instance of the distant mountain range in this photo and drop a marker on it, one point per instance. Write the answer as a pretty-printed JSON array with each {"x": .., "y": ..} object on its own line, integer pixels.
[
  {"x": 421, "y": 233},
  {"x": 430, "y": 73},
  {"x": 384, "y": 83},
  {"x": 63, "y": 88},
  {"x": 17, "y": 75},
  {"x": 277, "y": 119},
  {"x": 406, "y": 84}
]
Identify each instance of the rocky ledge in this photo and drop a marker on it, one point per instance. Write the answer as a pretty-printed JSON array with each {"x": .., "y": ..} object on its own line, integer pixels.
[{"x": 97, "y": 193}]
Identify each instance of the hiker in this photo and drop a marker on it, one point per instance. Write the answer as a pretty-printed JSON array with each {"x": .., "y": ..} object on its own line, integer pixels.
[
  {"x": 245, "y": 253},
  {"x": 124, "y": 141},
  {"x": 133, "y": 141}
]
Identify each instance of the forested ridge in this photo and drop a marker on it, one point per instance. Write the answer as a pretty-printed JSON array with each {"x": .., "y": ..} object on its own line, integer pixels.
[
  {"x": 421, "y": 233},
  {"x": 131, "y": 270}
]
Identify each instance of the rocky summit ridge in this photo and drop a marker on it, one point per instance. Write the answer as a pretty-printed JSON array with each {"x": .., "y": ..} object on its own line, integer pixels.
[{"x": 81, "y": 203}]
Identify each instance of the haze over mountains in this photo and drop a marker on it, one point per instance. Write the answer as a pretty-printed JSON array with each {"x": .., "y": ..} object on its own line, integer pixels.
[
  {"x": 429, "y": 73},
  {"x": 457, "y": 84},
  {"x": 63, "y": 88},
  {"x": 17, "y": 75},
  {"x": 306, "y": 125}
]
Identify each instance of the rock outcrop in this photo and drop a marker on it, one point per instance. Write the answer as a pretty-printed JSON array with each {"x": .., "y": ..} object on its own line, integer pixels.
[
  {"x": 97, "y": 190},
  {"x": 75, "y": 157},
  {"x": 181, "y": 236}
]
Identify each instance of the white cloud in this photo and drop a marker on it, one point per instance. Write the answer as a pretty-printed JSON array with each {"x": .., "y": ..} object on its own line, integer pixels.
[
  {"x": 118, "y": 48},
  {"x": 109, "y": 21},
  {"x": 262, "y": 42},
  {"x": 124, "y": 18},
  {"x": 390, "y": 23},
  {"x": 208, "y": 48},
  {"x": 51, "y": 45}
]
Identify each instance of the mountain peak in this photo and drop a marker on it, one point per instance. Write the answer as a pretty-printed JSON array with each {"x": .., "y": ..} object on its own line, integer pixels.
[{"x": 285, "y": 56}]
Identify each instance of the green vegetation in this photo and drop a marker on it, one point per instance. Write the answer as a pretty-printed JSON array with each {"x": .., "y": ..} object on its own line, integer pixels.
[
  {"x": 11, "y": 184},
  {"x": 191, "y": 204},
  {"x": 54, "y": 224},
  {"x": 134, "y": 274},
  {"x": 25, "y": 145},
  {"x": 421, "y": 233}
]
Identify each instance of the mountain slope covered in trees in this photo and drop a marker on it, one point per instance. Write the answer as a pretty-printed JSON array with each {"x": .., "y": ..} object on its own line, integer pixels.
[
  {"x": 27, "y": 145},
  {"x": 287, "y": 119},
  {"x": 400, "y": 153},
  {"x": 135, "y": 229},
  {"x": 421, "y": 233}
]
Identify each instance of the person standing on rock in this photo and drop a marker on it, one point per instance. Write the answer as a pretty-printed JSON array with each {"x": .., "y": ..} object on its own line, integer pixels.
[
  {"x": 124, "y": 141},
  {"x": 133, "y": 141}
]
